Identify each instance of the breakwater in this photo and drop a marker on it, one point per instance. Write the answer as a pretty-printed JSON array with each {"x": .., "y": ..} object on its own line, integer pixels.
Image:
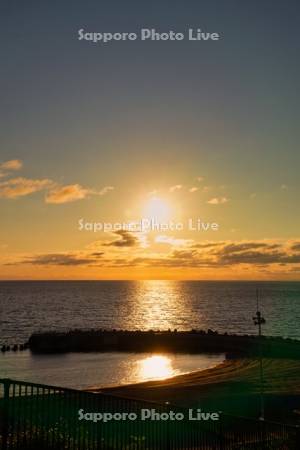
[
  {"x": 14, "y": 348},
  {"x": 193, "y": 341}
]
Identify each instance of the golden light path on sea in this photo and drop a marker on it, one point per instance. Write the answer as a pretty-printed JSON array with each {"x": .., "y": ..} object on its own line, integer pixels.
[{"x": 158, "y": 305}]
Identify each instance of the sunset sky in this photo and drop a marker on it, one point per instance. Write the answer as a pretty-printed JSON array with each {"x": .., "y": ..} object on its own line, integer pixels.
[{"x": 179, "y": 130}]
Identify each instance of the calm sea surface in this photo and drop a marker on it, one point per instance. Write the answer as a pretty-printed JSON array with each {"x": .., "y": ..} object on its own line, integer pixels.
[
  {"x": 26, "y": 307},
  {"x": 224, "y": 306}
]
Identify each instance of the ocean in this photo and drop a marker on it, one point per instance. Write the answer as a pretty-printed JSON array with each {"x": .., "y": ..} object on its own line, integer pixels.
[{"x": 30, "y": 306}]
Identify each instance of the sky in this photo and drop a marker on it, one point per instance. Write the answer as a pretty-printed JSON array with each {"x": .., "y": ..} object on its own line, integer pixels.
[{"x": 178, "y": 131}]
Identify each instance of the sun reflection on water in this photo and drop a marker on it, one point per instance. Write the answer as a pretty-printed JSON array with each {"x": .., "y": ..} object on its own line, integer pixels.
[
  {"x": 157, "y": 305},
  {"x": 156, "y": 367}
]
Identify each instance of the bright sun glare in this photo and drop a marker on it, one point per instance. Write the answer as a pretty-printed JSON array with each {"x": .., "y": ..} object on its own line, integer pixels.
[
  {"x": 156, "y": 367},
  {"x": 157, "y": 208}
]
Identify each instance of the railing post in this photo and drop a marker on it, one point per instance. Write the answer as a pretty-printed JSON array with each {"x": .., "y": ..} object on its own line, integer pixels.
[
  {"x": 221, "y": 430},
  {"x": 297, "y": 437},
  {"x": 5, "y": 422},
  {"x": 263, "y": 434}
]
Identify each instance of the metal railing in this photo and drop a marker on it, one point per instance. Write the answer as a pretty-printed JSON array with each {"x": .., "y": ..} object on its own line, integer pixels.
[{"x": 41, "y": 417}]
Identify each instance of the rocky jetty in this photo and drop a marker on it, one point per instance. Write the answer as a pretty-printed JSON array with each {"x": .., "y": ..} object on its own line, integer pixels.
[{"x": 193, "y": 341}]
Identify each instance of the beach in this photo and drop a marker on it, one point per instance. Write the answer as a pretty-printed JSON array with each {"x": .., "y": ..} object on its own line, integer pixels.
[{"x": 232, "y": 387}]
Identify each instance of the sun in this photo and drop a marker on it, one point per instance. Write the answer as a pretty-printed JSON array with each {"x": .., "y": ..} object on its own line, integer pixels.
[{"x": 157, "y": 208}]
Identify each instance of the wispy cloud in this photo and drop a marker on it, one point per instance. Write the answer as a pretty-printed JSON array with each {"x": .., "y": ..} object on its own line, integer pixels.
[
  {"x": 193, "y": 189},
  {"x": 104, "y": 190},
  {"x": 218, "y": 200},
  {"x": 72, "y": 193},
  {"x": 170, "y": 240},
  {"x": 181, "y": 253},
  {"x": 10, "y": 166},
  {"x": 257, "y": 253},
  {"x": 56, "y": 194},
  {"x": 60, "y": 259},
  {"x": 226, "y": 255},
  {"x": 66, "y": 194},
  {"x": 176, "y": 187},
  {"x": 124, "y": 239},
  {"x": 20, "y": 187},
  {"x": 295, "y": 246}
]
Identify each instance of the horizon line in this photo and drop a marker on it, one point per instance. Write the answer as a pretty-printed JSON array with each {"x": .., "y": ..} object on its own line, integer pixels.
[{"x": 149, "y": 279}]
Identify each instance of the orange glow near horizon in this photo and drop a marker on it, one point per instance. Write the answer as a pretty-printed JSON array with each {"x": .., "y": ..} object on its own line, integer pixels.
[{"x": 47, "y": 243}]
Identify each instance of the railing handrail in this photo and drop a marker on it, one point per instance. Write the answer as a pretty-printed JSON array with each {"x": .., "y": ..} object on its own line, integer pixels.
[
  {"x": 163, "y": 405},
  {"x": 87, "y": 393},
  {"x": 30, "y": 384}
]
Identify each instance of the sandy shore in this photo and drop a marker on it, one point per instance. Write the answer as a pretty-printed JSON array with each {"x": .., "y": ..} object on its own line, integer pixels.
[{"x": 228, "y": 386}]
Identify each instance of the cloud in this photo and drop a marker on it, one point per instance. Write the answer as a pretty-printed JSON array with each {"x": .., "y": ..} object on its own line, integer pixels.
[
  {"x": 19, "y": 187},
  {"x": 125, "y": 239},
  {"x": 72, "y": 192},
  {"x": 105, "y": 190},
  {"x": 176, "y": 187},
  {"x": 184, "y": 254},
  {"x": 56, "y": 194},
  {"x": 208, "y": 244},
  {"x": 162, "y": 239},
  {"x": 10, "y": 166},
  {"x": 66, "y": 194},
  {"x": 296, "y": 246},
  {"x": 200, "y": 179},
  {"x": 245, "y": 246},
  {"x": 252, "y": 255},
  {"x": 193, "y": 189},
  {"x": 256, "y": 253},
  {"x": 57, "y": 259},
  {"x": 218, "y": 200},
  {"x": 273, "y": 256},
  {"x": 178, "y": 259}
]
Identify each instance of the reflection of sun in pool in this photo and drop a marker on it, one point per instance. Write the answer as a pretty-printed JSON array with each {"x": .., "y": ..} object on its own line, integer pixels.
[{"x": 156, "y": 367}]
